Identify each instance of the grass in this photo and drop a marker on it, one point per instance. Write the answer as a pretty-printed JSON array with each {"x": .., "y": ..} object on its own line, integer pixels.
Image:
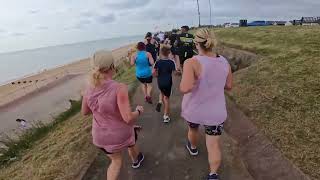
[
  {"x": 59, "y": 150},
  {"x": 281, "y": 92},
  {"x": 15, "y": 148}
]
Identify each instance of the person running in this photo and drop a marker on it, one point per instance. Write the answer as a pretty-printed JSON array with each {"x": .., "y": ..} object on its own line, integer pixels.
[
  {"x": 112, "y": 126},
  {"x": 185, "y": 44},
  {"x": 143, "y": 60},
  {"x": 174, "y": 49},
  {"x": 150, "y": 45},
  {"x": 204, "y": 79},
  {"x": 163, "y": 69}
]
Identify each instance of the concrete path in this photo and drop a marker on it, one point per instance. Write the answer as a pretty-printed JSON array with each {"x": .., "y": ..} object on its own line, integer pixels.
[
  {"x": 42, "y": 105},
  {"x": 164, "y": 149}
]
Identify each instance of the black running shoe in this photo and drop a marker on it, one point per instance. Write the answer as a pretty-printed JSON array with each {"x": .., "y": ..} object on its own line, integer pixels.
[
  {"x": 213, "y": 177},
  {"x": 193, "y": 152},
  {"x": 137, "y": 164},
  {"x": 158, "y": 108}
]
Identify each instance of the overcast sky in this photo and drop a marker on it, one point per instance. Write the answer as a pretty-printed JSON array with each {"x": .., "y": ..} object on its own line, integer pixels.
[{"x": 26, "y": 24}]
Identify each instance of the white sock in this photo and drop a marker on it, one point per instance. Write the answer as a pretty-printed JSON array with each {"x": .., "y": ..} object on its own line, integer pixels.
[{"x": 213, "y": 174}]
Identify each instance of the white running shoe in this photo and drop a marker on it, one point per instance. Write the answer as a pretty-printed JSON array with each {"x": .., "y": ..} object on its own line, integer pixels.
[{"x": 166, "y": 119}]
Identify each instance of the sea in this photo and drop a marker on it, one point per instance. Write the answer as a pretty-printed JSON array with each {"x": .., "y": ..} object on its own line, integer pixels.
[{"x": 15, "y": 65}]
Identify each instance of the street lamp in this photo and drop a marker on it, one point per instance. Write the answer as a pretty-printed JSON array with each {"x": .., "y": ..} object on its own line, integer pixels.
[
  {"x": 198, "y": 12},
  {"x": 210, "y": 13}
]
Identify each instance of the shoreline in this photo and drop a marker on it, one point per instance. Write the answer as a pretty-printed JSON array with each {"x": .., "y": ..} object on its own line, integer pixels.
[{"x": 20, "y": 87}]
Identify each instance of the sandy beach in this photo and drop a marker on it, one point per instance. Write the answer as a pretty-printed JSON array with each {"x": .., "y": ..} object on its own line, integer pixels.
[
  {"x": 39, "y": 101},
  {"x": 17, "y": 89}
]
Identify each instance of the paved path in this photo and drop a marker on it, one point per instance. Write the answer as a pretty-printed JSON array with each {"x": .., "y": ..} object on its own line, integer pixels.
[
  {"x": 164, "y": 148},
  {"x": 41, "y": 106}
]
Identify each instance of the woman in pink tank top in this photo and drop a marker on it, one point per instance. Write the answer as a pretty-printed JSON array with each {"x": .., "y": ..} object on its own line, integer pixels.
[
  {"x": 204, "y": 79},
  {"x": 113, "y": 127}
]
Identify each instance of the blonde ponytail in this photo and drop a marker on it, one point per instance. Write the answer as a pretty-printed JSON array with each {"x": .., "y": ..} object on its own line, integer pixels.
[
  {"x": 96, "y": 77},
  {"x": 206, "y": 39}
]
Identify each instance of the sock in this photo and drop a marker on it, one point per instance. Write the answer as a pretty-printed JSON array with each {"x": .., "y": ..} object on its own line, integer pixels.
[{"x": 213, "y": 174}]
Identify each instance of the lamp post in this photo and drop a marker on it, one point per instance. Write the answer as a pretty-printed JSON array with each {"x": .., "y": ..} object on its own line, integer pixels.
[
  {"x": 210, "y": 13},
  {"x": 198, "y": 12}
]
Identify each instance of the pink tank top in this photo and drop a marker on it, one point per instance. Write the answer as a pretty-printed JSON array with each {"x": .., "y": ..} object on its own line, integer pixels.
[
  {"x": 206, "y": 104},
  {"x": 109, "y": 130}
]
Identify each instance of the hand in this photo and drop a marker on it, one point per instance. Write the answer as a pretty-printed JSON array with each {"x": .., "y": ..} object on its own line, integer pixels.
[{"x": 140, "y": 108}]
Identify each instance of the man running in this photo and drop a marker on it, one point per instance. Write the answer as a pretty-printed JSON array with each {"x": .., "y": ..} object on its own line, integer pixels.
[
  {"x": 150, "y": 45},
  {"x": 174, "y": 48},
  {"x": 185, "y": 44}
]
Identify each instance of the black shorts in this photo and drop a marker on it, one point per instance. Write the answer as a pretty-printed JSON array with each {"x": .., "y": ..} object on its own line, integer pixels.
[
  {"x": 147, "y": 80},
  {"x": 184, "y": 56},
  {"x": 136, "y": 139},
  {"x": 210, "y": 130},
  {"x": 166, "y": 90}
]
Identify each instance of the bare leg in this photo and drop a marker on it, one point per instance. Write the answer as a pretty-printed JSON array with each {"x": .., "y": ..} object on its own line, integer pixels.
[
  {"x": 177, "y": 60},
  {"x": 149, "y": 89},
  {"x": 214, "y": 152},
  {"x": 166, "y": 105},
  {"x": 133, "y": 153},
  {"x": 160, "y": 98},
  {"x": 114, "y": 168},
  {"x": 144, "y": 89},
  {"x": 193, "y": 136}
]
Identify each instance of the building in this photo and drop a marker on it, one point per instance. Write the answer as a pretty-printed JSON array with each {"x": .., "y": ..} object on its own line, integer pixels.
[
  {"x": 310, "y": 21},
  {"x": 243, "y": 23},
  {"x": 258, "y": 23}
]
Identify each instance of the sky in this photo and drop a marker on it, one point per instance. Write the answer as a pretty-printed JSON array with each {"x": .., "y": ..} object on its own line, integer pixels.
[{"x": 39, "y": 23}]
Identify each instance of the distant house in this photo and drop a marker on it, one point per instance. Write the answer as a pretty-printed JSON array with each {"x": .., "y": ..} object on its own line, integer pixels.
[
  {"x": 234, "y": 25},
  {"x": 258, "y": 23},
  {"x": 310, "y": 21},
  {"x": 297, "y": 22}
]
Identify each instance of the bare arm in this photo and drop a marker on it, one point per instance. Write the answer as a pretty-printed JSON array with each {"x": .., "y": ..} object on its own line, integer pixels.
[
  {"x": 188, "y": 77},
  {"x": 85, "y": 110},
  {"x": 133, "y": 59},
  {"x": 228, "y": 85},
  {"x": 124, "y": 105},
  {"x": 151, "y": 60}
]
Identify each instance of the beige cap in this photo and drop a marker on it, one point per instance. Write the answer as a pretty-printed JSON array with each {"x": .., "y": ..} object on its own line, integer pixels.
[{"x": 102, "y": 59}]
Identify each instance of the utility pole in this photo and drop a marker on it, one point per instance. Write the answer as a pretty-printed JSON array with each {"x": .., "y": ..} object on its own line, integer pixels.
[
  {"x": 198, "y": 12},
  {"x": 210, "y": 14}
]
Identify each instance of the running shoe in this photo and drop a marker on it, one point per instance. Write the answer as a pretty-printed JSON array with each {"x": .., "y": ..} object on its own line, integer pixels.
[
  {"x": 137, "y": 164},
  {"x": 158, "y": 108},
  {"x": 149, "y": 99},
  {"x": 213, "y": 177},
  {"x": 193, "y": 152},
  {"x": 166, "y": 119}
]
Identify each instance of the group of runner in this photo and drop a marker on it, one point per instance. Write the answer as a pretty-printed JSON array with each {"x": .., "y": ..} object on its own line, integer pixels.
[{"x": 204, "y": 79}]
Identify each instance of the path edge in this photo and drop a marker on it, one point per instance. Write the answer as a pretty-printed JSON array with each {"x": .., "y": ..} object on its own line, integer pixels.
[{"x": 262, "y": 159}]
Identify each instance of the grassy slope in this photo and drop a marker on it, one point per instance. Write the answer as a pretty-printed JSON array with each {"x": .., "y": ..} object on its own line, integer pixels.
[
  {"x": 281, "y": 93},
  {"x": 64, "y": 151}
]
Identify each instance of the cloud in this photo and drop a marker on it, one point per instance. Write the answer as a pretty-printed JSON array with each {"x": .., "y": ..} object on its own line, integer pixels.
[
  {"x": 34, "y": 11},
  {"x": 2, "y": 31},
  {"x": 87, "y": 14},
  {"x": 127, "y": 4},
  {"x": 42, "y": 27},
  {"x": 18, "y": 34},
  {"x": 105, "y": 19},
  {"x": 82, "y": 24}
]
